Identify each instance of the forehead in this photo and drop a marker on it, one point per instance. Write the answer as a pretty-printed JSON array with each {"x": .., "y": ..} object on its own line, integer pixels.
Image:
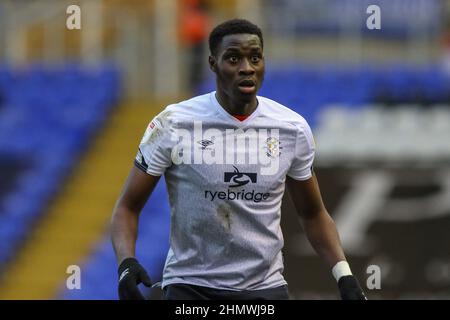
[{"x": 241, "y": 41}]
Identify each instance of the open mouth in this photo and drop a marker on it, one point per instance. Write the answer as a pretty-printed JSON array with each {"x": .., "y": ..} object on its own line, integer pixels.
[{"x": 247, "y": 86}]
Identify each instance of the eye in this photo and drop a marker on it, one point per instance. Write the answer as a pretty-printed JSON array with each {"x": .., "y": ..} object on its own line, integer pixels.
[
  {"x": 233, "y": 59},
  {"x": 255, "y": 59}
]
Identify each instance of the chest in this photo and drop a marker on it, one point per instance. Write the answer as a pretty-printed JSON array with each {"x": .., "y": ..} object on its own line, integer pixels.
[{"x": 214, "y": 154}]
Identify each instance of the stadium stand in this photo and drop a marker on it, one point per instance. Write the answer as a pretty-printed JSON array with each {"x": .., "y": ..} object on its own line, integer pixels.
[
  {"x": 47, "y": 118},
  {"x": 99, "y": 269}
]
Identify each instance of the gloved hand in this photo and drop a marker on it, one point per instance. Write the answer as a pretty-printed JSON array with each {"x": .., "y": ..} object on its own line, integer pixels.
[
  {"x": 350, "y": 289},
  {"x": 131, "y": 273}
]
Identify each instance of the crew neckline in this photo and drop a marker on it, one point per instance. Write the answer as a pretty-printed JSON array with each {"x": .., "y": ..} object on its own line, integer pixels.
[
  {"x": 232, "y": 117},
  {"x": 240, "y": 117}
]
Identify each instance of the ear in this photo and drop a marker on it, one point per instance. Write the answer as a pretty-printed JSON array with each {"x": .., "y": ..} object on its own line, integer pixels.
[{"x": 212, "y": 63}]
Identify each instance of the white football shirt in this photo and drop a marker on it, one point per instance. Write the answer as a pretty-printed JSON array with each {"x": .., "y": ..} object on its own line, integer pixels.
[{"x": 226, "y": 179}]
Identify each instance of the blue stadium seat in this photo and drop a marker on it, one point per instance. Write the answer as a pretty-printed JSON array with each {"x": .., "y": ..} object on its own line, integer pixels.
[
  {"x": 100, "y": 270},
  {"x": 48, "y": 116}
]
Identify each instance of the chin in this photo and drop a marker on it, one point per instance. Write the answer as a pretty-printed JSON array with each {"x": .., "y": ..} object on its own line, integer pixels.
[{"x": 247, "y": 98}]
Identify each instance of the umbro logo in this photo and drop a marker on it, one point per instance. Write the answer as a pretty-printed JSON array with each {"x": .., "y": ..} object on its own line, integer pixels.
[{"x": 205, "y": 143}]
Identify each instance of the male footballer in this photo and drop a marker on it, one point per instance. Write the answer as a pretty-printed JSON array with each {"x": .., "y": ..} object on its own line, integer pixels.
[{"x": 227, "y": 157}]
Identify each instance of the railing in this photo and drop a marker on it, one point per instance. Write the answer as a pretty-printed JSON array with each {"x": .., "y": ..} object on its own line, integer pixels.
[{"x": 141, "y": 36}]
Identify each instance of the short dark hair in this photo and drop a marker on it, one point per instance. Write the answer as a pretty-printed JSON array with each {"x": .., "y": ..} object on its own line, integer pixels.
[{"x": 234, "y": 26}]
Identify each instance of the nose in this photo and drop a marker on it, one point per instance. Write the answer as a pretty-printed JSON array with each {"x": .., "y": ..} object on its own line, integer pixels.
[{"x": 246, "y": 68}]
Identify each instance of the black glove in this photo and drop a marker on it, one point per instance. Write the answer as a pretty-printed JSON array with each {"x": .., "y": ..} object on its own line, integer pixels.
[
  {"x": 131, "y": 273},
  {"x": 350, "y": 289}
]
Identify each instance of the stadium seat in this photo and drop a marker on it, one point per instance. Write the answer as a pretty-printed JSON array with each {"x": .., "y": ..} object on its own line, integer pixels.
[{"x": 47, "y": 117}]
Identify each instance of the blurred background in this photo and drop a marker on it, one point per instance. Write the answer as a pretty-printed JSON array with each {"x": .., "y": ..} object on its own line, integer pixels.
[{"x": 74, "y": 104}]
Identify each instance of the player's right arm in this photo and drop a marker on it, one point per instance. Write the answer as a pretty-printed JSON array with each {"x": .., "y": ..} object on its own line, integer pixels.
[
  {"x": 152, "y": 159},
  {"x": 124, "y": 231},
  {"x": 125, "y": 217}
]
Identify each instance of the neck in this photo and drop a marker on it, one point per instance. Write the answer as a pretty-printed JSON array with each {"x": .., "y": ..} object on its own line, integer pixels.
[{"x": 233, "y": 107}]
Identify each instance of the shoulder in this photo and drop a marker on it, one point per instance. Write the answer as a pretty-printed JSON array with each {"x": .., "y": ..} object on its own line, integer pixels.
[
  {"x": 194, "y": 106},
  {"x": 282, "y": 113}
]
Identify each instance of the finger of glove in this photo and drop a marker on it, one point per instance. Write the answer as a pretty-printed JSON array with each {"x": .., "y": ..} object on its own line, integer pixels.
[
  {"x": 129, "y": 290},
  {"x": 350, "y": 289},
  {"x": 353, "y": 295},
  {"x": 361, "y": 296},
  {"x": 145, "y": 279},
  {"x": 123, "y": 294}
]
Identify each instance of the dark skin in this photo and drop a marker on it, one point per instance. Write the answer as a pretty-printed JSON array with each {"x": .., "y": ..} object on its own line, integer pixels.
[
  {"x": 124, "y": 223},
  {"x": 239, "y": 57}
]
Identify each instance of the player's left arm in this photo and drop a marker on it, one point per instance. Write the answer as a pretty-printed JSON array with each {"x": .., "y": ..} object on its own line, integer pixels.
[{"x": 322, "y": 233}]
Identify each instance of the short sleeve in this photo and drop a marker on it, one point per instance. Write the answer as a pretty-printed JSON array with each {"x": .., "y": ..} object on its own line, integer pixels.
[
  {"x": 154, "y": 153},
  {"x": 302, "y": 163}
]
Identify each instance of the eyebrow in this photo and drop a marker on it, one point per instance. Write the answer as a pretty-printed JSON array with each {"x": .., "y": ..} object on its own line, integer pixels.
[
  {"x": 238, "y": 49},
  {"x": 232, "y": 49}
]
